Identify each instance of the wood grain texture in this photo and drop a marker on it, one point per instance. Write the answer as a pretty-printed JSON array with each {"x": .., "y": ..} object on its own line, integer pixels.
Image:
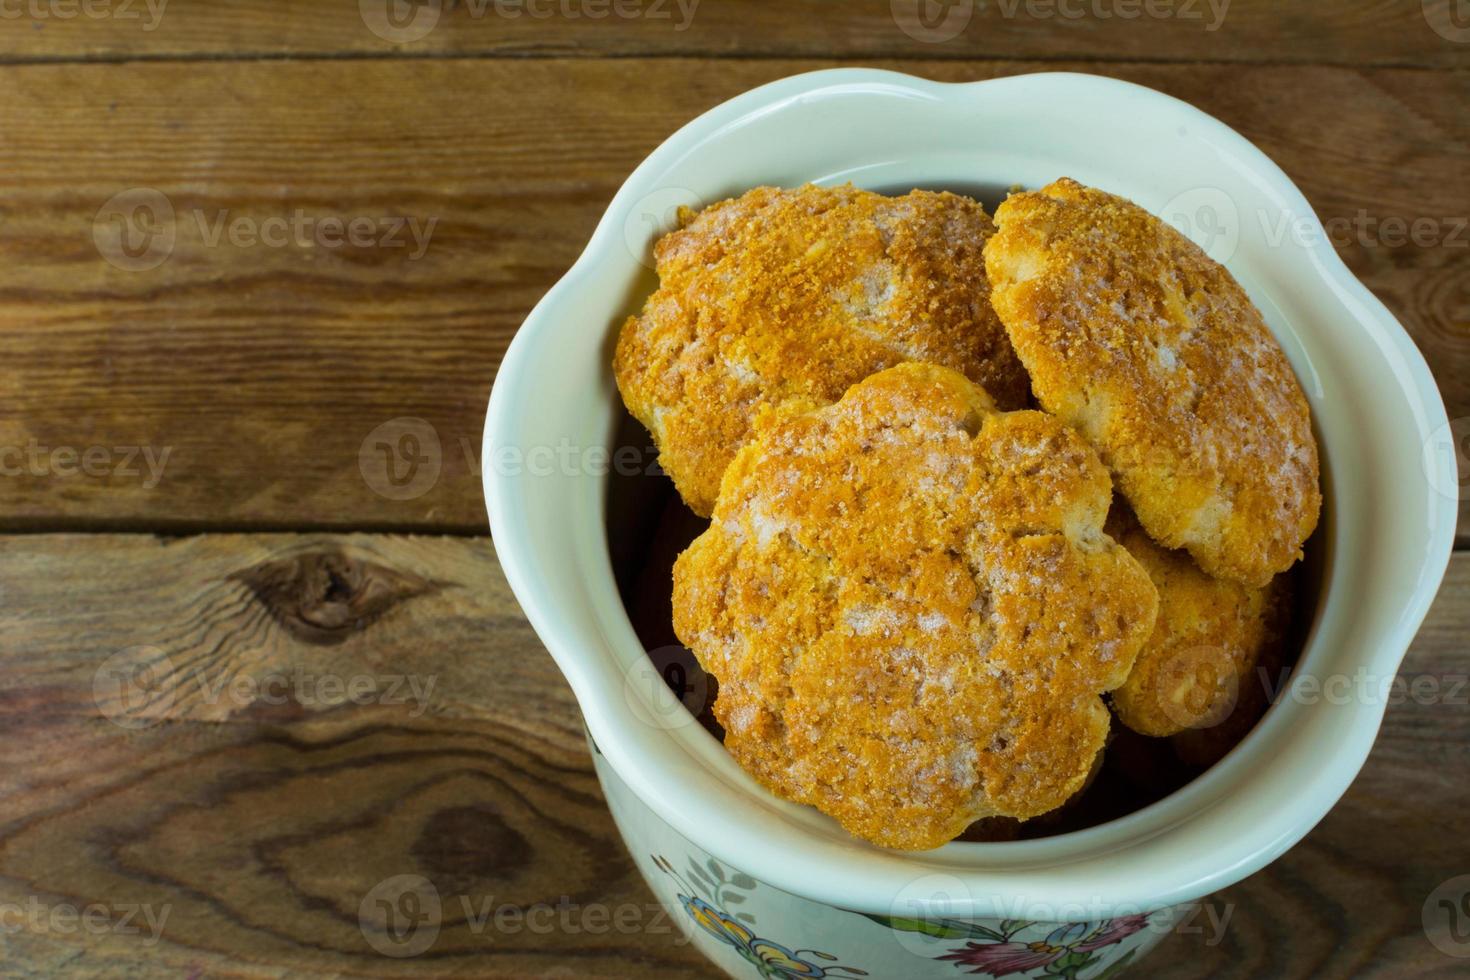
[
  {"x": 256, "y": 804},
  {"x": 320, "y": 712},
  {"x": 262, "y": 371},
  {"x": 1357, "y": 32},
  {"x": 261, "y": 827}
]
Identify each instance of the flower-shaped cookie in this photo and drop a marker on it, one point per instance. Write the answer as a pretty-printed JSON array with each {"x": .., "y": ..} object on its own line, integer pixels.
[{"x": 912, "y": 609}]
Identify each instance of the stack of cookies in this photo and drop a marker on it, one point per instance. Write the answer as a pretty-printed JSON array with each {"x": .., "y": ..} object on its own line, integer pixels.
[{"x": 923, "y": 602}]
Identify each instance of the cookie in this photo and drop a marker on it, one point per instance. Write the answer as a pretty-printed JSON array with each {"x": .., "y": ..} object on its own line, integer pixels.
[
  {"x": 1203, "y": 747},
  {"x": 912, "y": 609},
  {"x": 1152, "y": 350},
  {"x": 1199, "y": 665},
  {"x": 785, "y": 298}
]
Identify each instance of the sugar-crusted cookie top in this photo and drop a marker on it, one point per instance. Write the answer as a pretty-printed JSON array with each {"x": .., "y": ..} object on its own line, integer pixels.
[
  {"x": 1151, "y": 349},
  {"x": 788, "y": 297},
  {"x": 912, "y": 609}
]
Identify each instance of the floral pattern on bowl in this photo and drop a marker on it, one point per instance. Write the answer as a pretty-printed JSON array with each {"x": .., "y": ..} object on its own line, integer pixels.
[
  {"x": 1066, "y": 951},
  {"x": 752, "y": 929},
  {"x": 771, "y": 958}
]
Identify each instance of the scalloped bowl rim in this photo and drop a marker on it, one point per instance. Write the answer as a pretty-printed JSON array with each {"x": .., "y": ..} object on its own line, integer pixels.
[{"x": 1231, "y": 821}]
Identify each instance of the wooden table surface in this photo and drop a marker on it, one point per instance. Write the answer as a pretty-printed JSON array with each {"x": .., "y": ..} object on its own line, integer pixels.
[{"x": 184, "y": 395}]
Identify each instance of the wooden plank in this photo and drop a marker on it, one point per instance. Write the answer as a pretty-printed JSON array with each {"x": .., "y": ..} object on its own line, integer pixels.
[
  {"x": 1357, "y": 32},
  {"x": 261, "y": 826},
  {"x": 262, "y": 371},
  {"x": 254, "y": 814}
]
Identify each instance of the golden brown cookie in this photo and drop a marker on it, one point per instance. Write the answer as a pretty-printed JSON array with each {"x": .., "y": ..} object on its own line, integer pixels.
[
  {"x": 1153, "y": 351},
  {"x": 1199, "y": 664},
  {"x": 788, "y": 297},
  {"x": 1203, "y": 747},
  {"x": 912, "y": 609}
]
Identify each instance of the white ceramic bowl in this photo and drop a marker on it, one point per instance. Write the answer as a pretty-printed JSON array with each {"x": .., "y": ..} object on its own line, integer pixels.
[{"x": 1386, "y": 537}]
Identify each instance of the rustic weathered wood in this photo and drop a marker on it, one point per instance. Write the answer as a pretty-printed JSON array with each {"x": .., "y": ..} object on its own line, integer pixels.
[
  {"x": 239, "y": 790},
  {"x": 262, "y": 826},
  {"x": 260, "y": 815},
  {"x": 263, "y": 370},
  {"x": 1358, "y": 32}
]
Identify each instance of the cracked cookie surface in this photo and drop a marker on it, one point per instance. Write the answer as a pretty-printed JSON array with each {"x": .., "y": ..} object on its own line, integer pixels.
[
  {"x": 788, "y": 297},
  {"x": 911, "y": 608},
  {"x": 1152, "y": 350}
]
